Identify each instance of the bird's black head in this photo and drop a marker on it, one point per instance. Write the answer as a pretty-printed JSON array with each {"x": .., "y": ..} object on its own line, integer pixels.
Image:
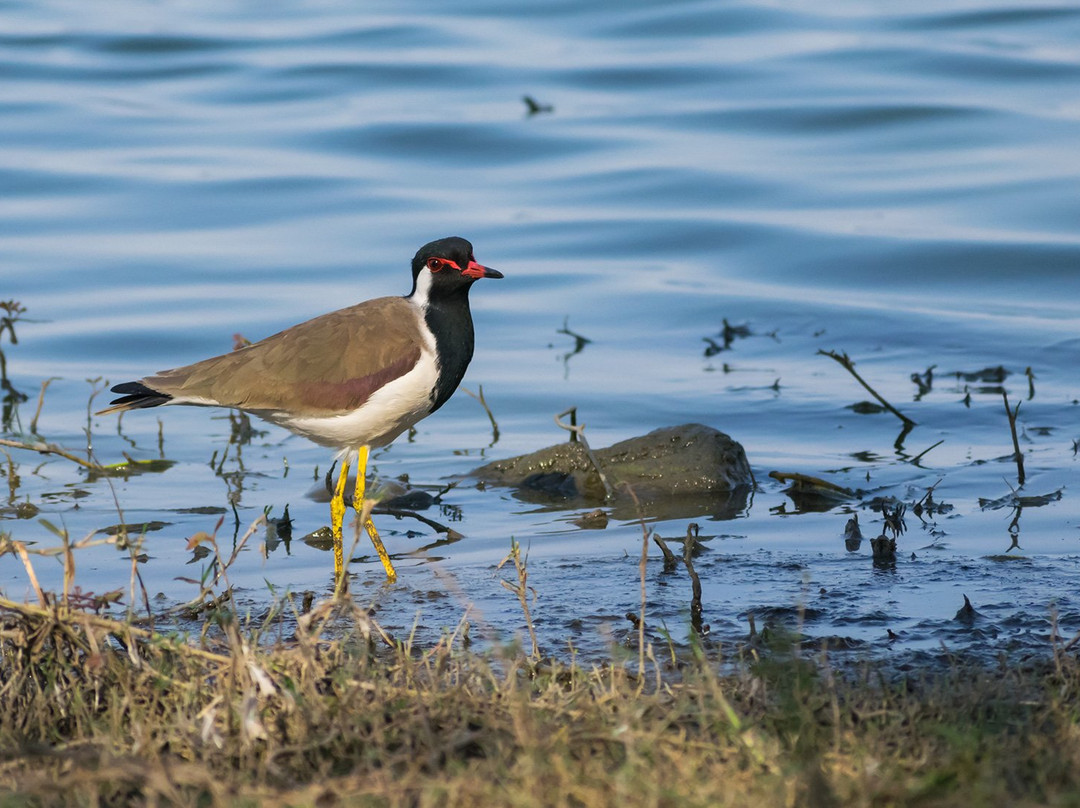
[{"x": 447, "y": 267}]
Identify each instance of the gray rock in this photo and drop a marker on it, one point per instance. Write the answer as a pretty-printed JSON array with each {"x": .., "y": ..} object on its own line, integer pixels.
[
  {"x": 687, "y": 459},
  {"x": 563, "y": 470},
  {"x": 679, "y": 465}
]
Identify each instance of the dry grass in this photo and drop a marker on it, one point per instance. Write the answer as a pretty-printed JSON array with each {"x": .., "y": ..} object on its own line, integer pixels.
[
  {"x": 100, "y": 711},
  {"x": 91, "y": 714}
]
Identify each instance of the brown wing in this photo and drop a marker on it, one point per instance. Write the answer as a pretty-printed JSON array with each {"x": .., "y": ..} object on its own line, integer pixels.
[{"x": 330, "y": 364}]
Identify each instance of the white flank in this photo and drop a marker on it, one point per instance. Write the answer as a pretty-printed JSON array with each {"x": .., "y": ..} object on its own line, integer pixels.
[{"x": 392, "y": 408}]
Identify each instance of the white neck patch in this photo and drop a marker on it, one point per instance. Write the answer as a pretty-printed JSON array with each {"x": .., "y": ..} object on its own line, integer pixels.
[{"x": 423, "y": 288}]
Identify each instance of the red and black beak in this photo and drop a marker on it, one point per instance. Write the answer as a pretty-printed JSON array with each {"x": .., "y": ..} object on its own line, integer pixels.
[{"x": 476, "y": 271}]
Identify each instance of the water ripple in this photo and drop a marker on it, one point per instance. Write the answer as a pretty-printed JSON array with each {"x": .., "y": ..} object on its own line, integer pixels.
[{"x": 894, "y": 182}]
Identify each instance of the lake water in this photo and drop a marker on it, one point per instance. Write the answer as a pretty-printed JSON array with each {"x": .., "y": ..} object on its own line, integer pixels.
[{"x": 894, "y": 181}]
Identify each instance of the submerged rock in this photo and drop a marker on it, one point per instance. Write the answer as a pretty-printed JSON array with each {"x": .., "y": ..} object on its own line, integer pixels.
[
  {"x": 884, "y": 548},
  {"x": 676, "y": 464},
  {"x": 563, "y": 470},
  {"x": 966, "y": 613},
  {"x": 852, "y": 534}
]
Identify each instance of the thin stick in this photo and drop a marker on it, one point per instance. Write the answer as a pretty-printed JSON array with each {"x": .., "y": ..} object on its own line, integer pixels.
[
  {"x": 644, "y": 599},
  {"x": 69, "y": 567},
  {"x": 438, "y": 527},
  {"x": 929, "y": 491},
  {"x": 41, "y": 402},
  {"x": 1012, "y": 413},
  {"x": 695, "y": 582},
  {"x": 577, "y": 433},
  {"x": 491, "y": 416},
  {"x": 49, "y": 552},
  {"x": 670, "y": 561},
  {"x": 804, "y": 482},
  {"x": 915, "y": 460},
  {"x": 848, "y": 365},
  {"x": 20, "y": 550},
  {"x": 50, "y": 448}
]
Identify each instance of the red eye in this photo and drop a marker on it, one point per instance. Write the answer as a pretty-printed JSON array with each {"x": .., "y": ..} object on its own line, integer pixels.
[{"x": 434, "y": 264}]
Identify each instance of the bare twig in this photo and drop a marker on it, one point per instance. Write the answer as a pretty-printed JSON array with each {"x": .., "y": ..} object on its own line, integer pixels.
[
  {"x": 670, "y": 561},
  {"x": 695, "y": 582},
  {"x": 97, "y": 386},
  {"x": 640, "y": 625},
  {"x": 20, "y": 549},
  {"x": 1012, "y": 413},
  {"x": 915, "y": 460},
  {"x": 438, "y": 527},
  {"x": 50, "y": 552},
  {"x": 927, "y": 501},
  {"x": 51, "y": 448},
  {"x": 644, "y": 600},
  {"x": 804, "y": 483},
  {"x": 849, "y": 366},
  {"x": 41, "y": 402},
  {"x": 577, "y": 433},
  {"x": 479, "y": 396}
]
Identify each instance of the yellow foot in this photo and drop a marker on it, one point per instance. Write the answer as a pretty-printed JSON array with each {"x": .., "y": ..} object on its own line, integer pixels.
[
  {"x": 369, "y": 526},
  {"x": 384, "y": 557}
]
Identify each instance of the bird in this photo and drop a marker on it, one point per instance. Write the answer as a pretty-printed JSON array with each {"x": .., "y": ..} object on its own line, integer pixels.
[{"x": 353, "y": 379}]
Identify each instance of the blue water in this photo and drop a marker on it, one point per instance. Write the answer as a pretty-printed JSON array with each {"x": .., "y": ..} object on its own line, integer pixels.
[{"x": 897, "y": 182}]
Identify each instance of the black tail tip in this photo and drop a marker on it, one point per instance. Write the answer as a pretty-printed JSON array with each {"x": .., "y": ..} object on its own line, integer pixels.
[{"x": 136, "y": 395}]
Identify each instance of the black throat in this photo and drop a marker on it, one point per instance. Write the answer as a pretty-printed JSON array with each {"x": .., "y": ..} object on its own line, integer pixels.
[{"x": 450, "y": 321}]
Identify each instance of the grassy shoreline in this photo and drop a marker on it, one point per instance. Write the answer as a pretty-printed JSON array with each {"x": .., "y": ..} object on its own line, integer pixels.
[{"x": 97, "y": 712}]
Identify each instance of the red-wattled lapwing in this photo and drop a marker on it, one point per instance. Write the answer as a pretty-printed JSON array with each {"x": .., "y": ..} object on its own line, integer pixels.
[{"x": 352, "y": 379}]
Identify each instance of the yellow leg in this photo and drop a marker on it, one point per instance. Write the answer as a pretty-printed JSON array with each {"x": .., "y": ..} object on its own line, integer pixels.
[
  {"x": 369, "y": 526},
  {"x": 337, "y": 516}
]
